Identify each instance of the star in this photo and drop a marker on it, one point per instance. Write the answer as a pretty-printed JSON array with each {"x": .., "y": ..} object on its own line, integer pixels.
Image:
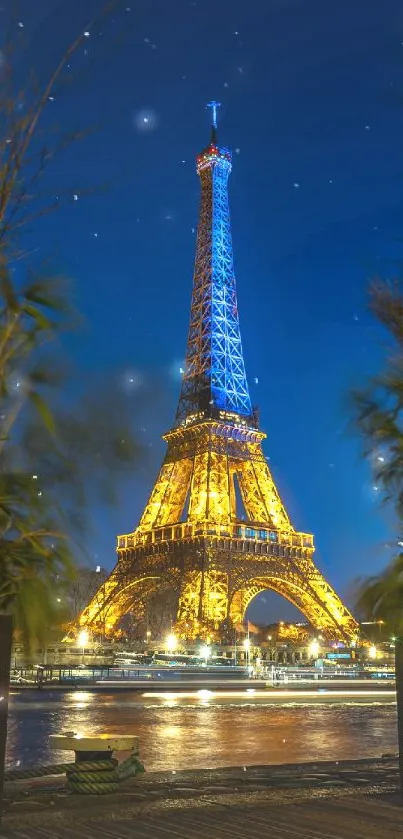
[{"x": 145, "y": 120}]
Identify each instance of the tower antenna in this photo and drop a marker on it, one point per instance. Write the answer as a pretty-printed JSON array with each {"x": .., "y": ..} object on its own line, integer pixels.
[{"x": 214, "y": 107}]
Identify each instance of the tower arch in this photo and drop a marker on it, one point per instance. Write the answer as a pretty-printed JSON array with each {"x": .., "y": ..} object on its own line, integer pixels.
[
  {"x": 299, "y": 595},
  {"x": 121, "y": 597}
]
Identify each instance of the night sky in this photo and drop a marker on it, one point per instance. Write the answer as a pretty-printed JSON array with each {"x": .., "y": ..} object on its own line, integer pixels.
[{"x": 312, "y": 107}]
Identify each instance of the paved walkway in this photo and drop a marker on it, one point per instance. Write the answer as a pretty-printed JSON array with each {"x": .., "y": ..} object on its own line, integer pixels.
[
  {"x": 359, "y": 817},
  {"x": 345, "y": 800}
]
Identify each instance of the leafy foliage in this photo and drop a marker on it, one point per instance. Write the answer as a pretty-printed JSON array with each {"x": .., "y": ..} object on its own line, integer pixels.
[
  {"x": 57, "y": 455},
  {"x": 59, "y": 449},
  {"x": 381, "y": 598},
  {"x": 379, "y": 418},
  {"x": 378, "y": 408}
]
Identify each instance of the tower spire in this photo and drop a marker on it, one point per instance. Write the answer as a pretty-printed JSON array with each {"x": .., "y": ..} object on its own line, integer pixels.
[
  {"x": 214, "y": 383},
  {"x": 213, "y": 105}
]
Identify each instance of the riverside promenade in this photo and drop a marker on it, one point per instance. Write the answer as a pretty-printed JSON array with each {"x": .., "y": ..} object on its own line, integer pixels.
[{"x": 345, "y": 800}]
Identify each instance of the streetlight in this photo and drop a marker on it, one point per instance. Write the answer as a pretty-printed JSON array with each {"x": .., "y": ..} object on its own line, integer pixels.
[
  {"x": 171, "y": 643},
  {"x": 82, "y": 640},
  {"x": 246, "y": 645},
  {"x": 205, "y": 652},
  {"x": 314, "y": 648}
]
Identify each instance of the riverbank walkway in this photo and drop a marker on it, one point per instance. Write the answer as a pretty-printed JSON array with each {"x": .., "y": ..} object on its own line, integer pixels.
[
  {"x": 326, "y": 800},
  {"x": 359, "y": 817}
]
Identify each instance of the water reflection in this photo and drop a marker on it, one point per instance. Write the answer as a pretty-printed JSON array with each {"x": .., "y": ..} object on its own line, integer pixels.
[{"x": 203, "y": 729}]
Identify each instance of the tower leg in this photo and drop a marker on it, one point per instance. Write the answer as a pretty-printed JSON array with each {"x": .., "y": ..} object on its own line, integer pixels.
[{"x": 203, "y": 604}]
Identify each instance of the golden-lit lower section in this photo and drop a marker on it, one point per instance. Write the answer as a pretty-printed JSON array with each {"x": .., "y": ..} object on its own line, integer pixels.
[{"x": 216, "y": 531}]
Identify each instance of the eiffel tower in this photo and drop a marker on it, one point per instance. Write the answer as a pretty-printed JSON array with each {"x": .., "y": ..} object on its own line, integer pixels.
[{"x": 192, "y": 538}]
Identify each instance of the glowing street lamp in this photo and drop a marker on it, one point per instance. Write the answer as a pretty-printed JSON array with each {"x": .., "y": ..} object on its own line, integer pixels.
[
  {"x": 205, "y": 652},
  {"x": 171, "y": 643},
  {"x": 246, "y": 645},
  {"x": 82, "y": 640},
  {"x": 314, "y": 648}
]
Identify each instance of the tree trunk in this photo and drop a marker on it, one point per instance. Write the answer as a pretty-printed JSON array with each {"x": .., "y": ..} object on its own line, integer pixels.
[
  {"x": 399, "y": 696},
  {"x": 5, "y": 658}
]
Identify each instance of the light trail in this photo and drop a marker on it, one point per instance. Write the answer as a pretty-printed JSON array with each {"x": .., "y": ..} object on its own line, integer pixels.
[{"x": 319, "y": 693}]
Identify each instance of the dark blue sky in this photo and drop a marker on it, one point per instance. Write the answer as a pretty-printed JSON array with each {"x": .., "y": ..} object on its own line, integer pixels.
[{"x": 312, "y": 97}]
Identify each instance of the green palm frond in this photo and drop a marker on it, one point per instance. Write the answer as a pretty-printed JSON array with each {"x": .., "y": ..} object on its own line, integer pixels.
[{"x": 378, "y": 417}]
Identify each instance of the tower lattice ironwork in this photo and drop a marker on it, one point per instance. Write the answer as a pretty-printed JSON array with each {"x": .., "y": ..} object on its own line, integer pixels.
[{"x": 192, "y": 538}]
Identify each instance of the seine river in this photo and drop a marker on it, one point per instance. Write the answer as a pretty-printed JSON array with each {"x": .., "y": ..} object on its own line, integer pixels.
[{"x": 203, "y": 730}]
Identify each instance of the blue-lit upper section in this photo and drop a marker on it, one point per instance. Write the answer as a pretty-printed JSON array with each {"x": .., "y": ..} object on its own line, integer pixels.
[{"x": 214, "y": 382}]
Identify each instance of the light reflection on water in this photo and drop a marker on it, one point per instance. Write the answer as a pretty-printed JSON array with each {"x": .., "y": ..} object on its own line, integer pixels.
[{"x": 206, "y": 731}]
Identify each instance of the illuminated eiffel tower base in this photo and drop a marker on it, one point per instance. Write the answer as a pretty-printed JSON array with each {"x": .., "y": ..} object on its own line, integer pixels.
[{"x": 214, "y": 532}]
